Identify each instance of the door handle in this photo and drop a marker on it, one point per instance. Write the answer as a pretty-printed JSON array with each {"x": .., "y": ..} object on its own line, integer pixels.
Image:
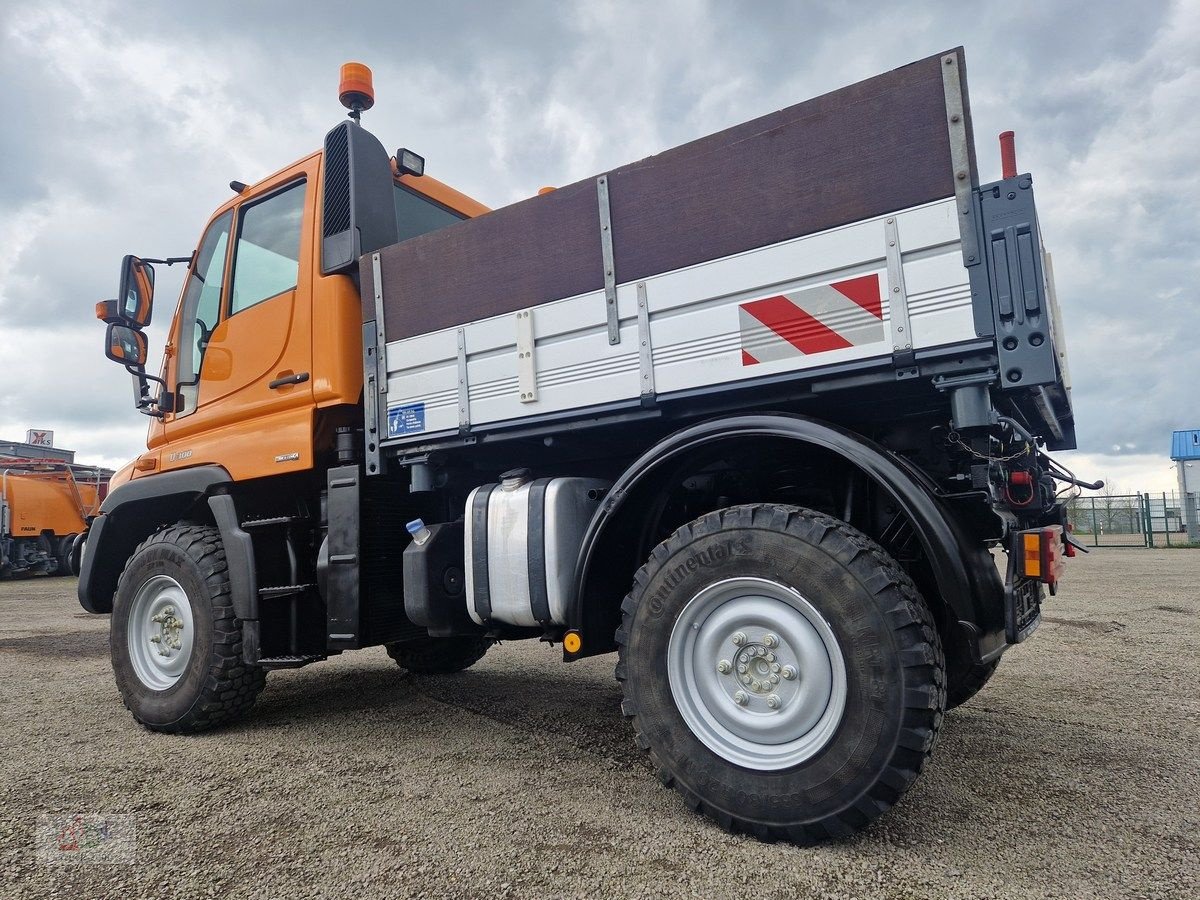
[{"x": 298, "y": 378}]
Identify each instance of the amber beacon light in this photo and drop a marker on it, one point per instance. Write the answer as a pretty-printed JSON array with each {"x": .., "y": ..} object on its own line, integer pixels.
[{"x": 355, "y": 89}]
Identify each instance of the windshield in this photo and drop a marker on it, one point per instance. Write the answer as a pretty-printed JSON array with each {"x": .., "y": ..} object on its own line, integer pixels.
[{"x": 201, "y": 307}]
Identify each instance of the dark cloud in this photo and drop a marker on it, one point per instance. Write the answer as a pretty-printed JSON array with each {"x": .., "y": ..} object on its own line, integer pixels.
[{"x": 124, "y": 122}]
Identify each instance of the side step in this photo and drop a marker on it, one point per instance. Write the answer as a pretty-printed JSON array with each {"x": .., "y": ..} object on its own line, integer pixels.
[
  {"x": 284, "y": 590},
  {"x": 288, "y": 662},
  {"x": 251, "y": 524}
]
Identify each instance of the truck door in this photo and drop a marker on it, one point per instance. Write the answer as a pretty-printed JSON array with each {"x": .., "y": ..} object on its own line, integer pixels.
[{"x": 243, "y": 334}]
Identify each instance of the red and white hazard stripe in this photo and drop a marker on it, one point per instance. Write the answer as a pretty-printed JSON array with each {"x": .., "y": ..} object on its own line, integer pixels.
[{"x": 813, "y": 320}]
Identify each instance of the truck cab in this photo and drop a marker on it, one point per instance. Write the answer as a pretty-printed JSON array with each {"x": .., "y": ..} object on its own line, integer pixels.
[{"x": 264, "y": 347}]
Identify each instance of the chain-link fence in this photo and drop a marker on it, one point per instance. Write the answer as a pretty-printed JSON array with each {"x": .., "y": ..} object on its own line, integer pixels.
[{"x": 1164, "y": 519}]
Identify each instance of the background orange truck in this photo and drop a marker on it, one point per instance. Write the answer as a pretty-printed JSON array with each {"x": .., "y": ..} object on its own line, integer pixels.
[{"x": 46, "y": 503}]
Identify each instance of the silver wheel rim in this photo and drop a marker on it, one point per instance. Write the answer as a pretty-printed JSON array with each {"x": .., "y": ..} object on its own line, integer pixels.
[
  {"x": 757, "y": 674},
  {"x": 160, "y": 632}
]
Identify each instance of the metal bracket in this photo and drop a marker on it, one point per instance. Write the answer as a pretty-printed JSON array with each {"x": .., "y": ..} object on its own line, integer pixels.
[
  {"x": 610, "y": 270},
  {"x": 526, "y": 369},
  {"x": 960, "y": 158},
  {"x": 903, "y": 356},
  {"x": 464, "y": 399},
  {"x": 374, "y": 412},
  {"x": 380, "y": 337},
  {"x": 645, "y": 350}
]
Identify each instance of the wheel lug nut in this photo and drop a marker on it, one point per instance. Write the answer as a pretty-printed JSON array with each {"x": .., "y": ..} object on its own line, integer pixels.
[
  {"x": 774, "y": 667},
  {"x": 154, "y": 638},
  {"x": 742, "y": 668},
  {"x": 773, "y": 702},
  {"x": 770, "y": 657},
  {"x": 771, "y": 641},
  {"x": 740, "y": 698},
  {"x": 724, "y": 666},
  {"x": 788, "y": 672},
  {"x": 739, "y": 639},
  {"x": 756, "y": 686},
  {"x": 746, "y": 679},
  {"x": 774, "y": 679}
]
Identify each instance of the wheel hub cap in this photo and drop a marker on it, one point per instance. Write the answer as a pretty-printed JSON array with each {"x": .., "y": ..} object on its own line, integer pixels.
[
  {"x": 160, "y": 632},
  {"x": 756, "y": 672}
]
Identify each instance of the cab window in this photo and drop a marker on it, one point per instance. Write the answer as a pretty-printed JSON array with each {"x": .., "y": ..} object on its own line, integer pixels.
[
  {"x": 267, "y": 258},
  {"x": 201, "y": 307},
  {"x": 417, "y": 214}
]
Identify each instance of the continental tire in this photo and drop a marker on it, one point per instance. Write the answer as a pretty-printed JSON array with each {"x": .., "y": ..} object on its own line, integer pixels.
[
  {"x": 782, "y": 671},
  {"x": 439, "y": 656},
  {"x": 176, "y": 645}
]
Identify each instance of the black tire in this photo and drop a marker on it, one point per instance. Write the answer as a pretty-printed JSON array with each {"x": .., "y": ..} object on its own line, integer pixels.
[
  {"x": 439, "y": 656},
  {"x": 895, "y": 672},
  {"x": 962, "y": 686},
  {"x": 63, "y": 555},
  {"x": 75, "y": 558},
  {"x": 216, "y": 686}
]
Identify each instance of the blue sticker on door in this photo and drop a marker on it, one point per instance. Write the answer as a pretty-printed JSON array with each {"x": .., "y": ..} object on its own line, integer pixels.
[{"x": 407, "y": 419}]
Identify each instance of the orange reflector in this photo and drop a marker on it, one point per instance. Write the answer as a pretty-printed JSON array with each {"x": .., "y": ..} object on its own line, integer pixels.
[
  {"x": 1032, "y": 546},
  {"x": 572, "y": 642},
  {"x": 546, "y": 190},
  {"x": 356, "y": 90},
  {"x": 146, "y": 464}
]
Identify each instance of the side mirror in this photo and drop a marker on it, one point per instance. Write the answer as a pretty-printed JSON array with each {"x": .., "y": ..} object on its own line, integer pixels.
[
  {"x": 136, "y": 299},
  {"x": 126, "y": 345}
]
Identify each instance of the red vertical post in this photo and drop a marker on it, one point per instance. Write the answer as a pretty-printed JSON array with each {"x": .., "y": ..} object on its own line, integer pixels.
[{"x": 1008, "y": 154}]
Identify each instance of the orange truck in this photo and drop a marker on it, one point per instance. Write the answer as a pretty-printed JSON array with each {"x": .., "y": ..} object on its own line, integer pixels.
[
  {"x": 751, "y": 414},
  {"x": 45, "y": 506}
]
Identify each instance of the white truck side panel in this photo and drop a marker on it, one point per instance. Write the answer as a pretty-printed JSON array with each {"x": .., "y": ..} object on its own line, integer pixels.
[{"x": 809, "y": 302}]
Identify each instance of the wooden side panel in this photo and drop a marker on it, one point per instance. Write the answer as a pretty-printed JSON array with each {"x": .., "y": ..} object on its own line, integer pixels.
[
  {"x": 875, "y": 147},
  {"x": 538, "y": 250}
]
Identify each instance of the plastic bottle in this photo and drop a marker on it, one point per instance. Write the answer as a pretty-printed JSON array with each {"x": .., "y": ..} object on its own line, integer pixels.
[{"x": 419, "y": 530}]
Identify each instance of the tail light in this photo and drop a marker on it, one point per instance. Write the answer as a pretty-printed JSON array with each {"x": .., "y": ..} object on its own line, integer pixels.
[{"x": 1042, "y": 554}]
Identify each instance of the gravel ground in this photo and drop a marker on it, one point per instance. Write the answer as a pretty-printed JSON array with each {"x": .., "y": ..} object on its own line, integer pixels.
[{"x": 1073, "y": 774}]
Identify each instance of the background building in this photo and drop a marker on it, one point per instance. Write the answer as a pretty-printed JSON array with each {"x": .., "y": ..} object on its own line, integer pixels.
[{"x": 1185, "y": 450}]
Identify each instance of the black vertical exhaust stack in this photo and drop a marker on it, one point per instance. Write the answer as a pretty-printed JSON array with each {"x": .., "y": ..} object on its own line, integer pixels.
[{"x": 358, "y": 207}]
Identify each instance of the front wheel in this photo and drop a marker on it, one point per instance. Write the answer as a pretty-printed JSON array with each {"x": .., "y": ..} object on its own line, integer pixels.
[
  {"x": 782, "y": 671},
  {"x": 176, "y": 645}
]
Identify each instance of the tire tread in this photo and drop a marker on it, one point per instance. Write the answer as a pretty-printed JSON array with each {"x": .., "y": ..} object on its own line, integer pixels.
[
  {"x": 920, "y": 655},
  {"x": 230, "y": 686}
]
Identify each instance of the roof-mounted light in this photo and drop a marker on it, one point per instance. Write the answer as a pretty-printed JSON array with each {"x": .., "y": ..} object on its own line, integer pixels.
[
  {"x": 356, "y": 91},
  {"x": 409, "y": 163}
]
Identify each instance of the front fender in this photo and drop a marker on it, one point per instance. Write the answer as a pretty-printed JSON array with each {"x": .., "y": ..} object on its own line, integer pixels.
[{"x": 128, "y": 516}]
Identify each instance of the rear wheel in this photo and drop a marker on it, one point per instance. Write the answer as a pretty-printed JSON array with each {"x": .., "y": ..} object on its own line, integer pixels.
[
  {"x": 63, "y": 555},
  {"x": 963, "y": 685},
  {"x": 176, "y": 644},
  {"x": 782, "y": 671},
  {"x": 439, "y": 656}
]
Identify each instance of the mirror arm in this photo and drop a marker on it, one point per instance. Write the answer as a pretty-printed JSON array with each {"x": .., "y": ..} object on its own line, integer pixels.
[
  {"x": 145, "y": 401},
  {"x": 170, "y": 260}
]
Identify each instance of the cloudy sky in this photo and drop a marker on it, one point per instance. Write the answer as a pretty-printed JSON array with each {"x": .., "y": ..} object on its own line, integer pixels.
[{"x": 124, "y": 122}]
